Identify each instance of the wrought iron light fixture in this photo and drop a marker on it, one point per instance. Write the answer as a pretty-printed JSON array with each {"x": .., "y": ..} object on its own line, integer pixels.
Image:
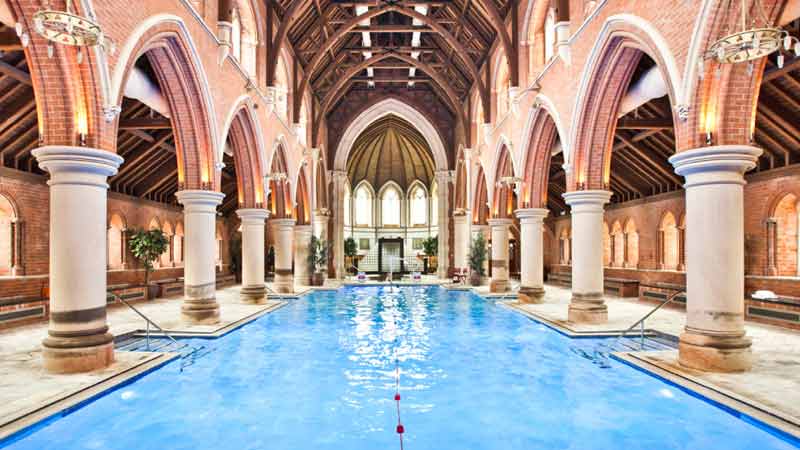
[
  {"x": 749, "y": 37},
  {"x": 69, "y": 28}
]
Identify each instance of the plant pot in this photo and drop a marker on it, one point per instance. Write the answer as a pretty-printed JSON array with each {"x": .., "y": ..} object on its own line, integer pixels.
[
  {"x": 153, "y": 291},
  {"x": 475, "y": 278},
  {"x": 318, "y": 278}
]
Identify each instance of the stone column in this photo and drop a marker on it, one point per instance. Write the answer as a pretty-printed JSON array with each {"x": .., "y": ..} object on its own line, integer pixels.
[
  {"x": 443, "y": 185},
  {"x": 532, "y": 254},
  {"x": 499, "y": 282},
  {"x": 339, "y": 185},
  {"x": 253, "y": 287},
  {"x": 461, "y": 240},
  {"x": 283, "y": 236},
  {"x": 78, "y": 339},
  {"x": 200, "y": 279},
  {"x": 302, "y": 237},
  {"x": 319, "y": 221},
  {"x": 587, "y": 305},
  {"x": 714, "y": 338}
]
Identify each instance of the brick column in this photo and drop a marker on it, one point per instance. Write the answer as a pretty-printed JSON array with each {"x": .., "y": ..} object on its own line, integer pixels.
[
  {"x": 531, "y": 253},
  {"x": 339, "y": 180},
  {"x": 78, "y": 339},
  {"x": 253, "y": 287},
  {"x": 587, "y": 305},
  {"x": 499, "y": 281},
  {"x": 200, "y": 279},
  {"x": 714, "y": 338},
  {"x": 443, "y": 184}
]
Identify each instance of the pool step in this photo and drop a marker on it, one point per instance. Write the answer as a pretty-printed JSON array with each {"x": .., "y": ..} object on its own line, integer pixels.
[
  {"x": 601, "y": 352},
  {"x": 189, "y": 354}
]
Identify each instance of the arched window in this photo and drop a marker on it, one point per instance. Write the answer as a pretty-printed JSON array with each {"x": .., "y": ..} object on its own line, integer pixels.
[
  {"x": 782, "y": 235},
  {"x": 617, "y": 245},
  {"x": 631, "y": 245},
  {"x": 668, "y": 242},
  {"x": 606, "y": 245},
  {"x": 435, "y": 204},
  {"x": 390, "y": 206},
  {"x": 550, "y": 34},
  {"x": 177, "y": 245},
  {"x": 8, "y": 239},
  {"x": 418, "y": 206},
  {"x": 347, "y": 200},
  {"x": 363, "y": 206},
  {"x": 116, "y": 243},
  {"x": 166, "y": 257}
]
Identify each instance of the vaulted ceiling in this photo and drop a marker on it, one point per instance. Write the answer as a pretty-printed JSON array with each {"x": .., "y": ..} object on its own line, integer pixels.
[
  {"x": 422, "y": 44},
  {"x": 391, "y": 149}
]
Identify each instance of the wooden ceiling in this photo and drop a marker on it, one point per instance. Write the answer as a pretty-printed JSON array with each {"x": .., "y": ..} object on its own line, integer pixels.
[
  {"x": 467, "y": 21},
  {"x": 391, "y": 149}
]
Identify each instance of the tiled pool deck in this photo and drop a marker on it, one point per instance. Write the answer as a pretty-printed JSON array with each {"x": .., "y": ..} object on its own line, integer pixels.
[{"x": 773, "y": 385}]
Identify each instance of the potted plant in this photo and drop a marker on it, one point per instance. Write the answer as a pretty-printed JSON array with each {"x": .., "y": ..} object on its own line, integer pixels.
[
  {"x": 477, "y": 256},
  {"x": 147, "y": 246},
  {"x": 350, "y": 251},
  {"x": 317, "y": 260},
  {"x": 430, "y": 248}
]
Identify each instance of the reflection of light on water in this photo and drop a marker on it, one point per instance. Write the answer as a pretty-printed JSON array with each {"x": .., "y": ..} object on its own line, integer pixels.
[
  {"x": 128, "y": 395},
  {"x": 666, "y": 393}
]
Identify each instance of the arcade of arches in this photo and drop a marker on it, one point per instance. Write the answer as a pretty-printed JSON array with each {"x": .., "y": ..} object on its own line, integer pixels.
[{"x": 581, "y": 138}]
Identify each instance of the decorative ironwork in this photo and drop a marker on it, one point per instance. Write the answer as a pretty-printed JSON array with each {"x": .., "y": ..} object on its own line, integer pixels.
[{"x": 69, "y": 28}]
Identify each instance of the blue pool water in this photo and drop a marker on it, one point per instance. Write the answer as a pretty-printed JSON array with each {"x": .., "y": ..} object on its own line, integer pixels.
[{"x": 319, "y": 374}]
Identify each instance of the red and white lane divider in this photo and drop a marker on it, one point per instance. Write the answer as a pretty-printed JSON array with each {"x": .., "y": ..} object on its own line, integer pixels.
[{"x": 400, "y": 428}]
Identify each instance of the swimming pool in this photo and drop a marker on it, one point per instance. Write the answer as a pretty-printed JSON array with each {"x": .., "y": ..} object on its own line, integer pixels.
[{"x": 320, "y": 374}]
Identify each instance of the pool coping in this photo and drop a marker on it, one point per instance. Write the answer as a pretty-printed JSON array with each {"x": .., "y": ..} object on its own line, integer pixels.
[
  {"x": 745, "y": 408},
  {"x": 29, "y": 419},
  {"x": 774, "y": 421}
]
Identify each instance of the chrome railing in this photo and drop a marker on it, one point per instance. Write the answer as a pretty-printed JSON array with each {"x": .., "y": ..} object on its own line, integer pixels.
[{"x": 188, "y": 353}]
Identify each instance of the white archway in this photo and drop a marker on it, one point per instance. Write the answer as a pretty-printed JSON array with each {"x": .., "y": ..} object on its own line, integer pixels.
[{"x": 382, "y": 109}]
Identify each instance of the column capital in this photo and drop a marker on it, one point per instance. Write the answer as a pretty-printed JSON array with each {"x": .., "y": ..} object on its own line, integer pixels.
[
  {"x": 587, "y": 199},
  {"x": 252, "y": 215},
  {"x": 535, "y": 214},
  {"x": 282, "y": 222},
  {"x": 499, "y": 222},
  {"x": 442, "y": 176},
  {"x": 200, "y": 200},
  {"x": 719, "y": 164},
  {"x": 339, "y": 175},
  {"x": 77, "y": 165}
]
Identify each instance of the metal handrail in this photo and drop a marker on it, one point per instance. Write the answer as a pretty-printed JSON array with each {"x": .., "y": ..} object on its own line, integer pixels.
[
  {"x": 149, "y": 322},
  {"x": 641, "y": 321}
]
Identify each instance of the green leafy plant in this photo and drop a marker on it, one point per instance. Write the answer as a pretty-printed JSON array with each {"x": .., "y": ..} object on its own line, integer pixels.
[
  {"x": 477, "y": 254},
  {"x": 431, "y": 246},
  {"x": 147, "y": 246},
  {"x": 350, "y": 247},
  {"x": 317, "y": 254}
]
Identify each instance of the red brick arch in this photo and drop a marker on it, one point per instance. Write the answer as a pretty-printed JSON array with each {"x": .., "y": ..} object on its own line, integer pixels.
[
  {"x": 280, "y": 192},
  {"x": 610, "y": 76},
  {"x": 169, "y": 52},
  {"x": 244, "y": 142},
  {"x": 503, "y": 196},
  {"x": 537, "y": 160},
  {"x": 302, "y": 210},
  {"x": 480, "y": 212}
]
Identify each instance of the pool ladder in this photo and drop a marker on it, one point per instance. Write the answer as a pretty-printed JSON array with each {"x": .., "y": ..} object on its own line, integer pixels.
[
  {"x": 189, "y": 354},
  {"x": 601, "y": 353}
]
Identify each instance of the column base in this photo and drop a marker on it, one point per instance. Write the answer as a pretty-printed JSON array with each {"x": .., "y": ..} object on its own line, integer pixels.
[
  {"x": 200, "y": 312},
  {"x": 71, "y": 353},
  {"x": 284, "y": 283},
  {"x": 253, "y": 294},
  {"x": 498, "y": 286},
  {"x": 715, "y": 353},
  {"x": 528, "y": 294},
  {"x": 588, "y": 309}
]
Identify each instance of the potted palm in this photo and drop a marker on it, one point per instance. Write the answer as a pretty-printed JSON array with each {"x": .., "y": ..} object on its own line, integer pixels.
[
  {"x": 477, "y": 257},
  {"x": 350, "y": 251},
  {"x": 317, "y": 260},
  {"x": 147, "y": 246},
  {"x": 430, "y": 247}
]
